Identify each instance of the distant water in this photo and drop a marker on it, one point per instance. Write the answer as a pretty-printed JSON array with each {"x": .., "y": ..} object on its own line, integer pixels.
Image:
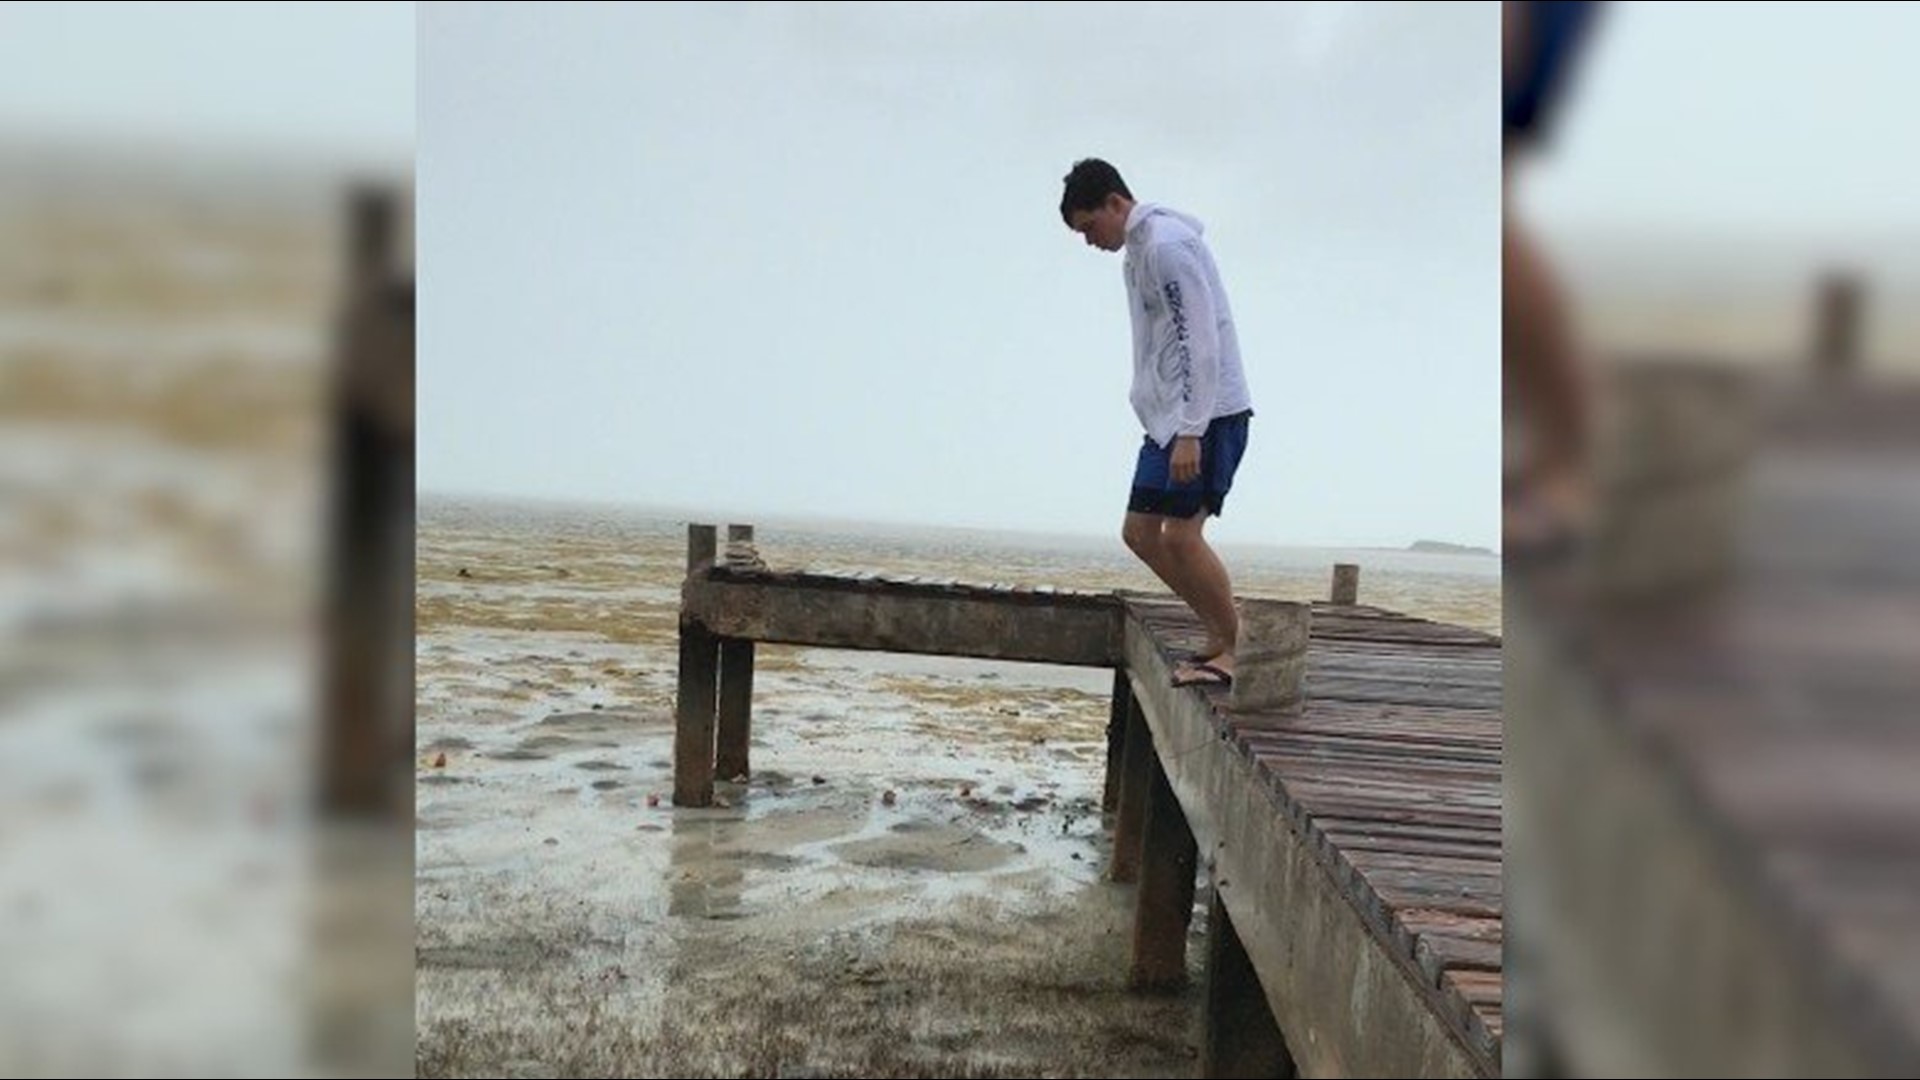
[{"x": 1463, "y": 589}]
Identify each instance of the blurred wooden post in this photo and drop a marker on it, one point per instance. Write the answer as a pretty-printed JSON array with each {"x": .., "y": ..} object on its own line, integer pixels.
[
  {"x": 694, "y": 709},
  {"x": 367, "y": 706},
  {"x": 1836, "y": 334},
  {"x": 736, "y": 681},
  {"x": 1346, "y": 583},
  {"x": 358, "y": 971}
]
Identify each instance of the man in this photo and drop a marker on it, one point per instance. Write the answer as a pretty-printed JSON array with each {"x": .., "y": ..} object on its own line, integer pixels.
[
  {"x": 1547, "y": 494},
  {"x": 1189, "y": 392}
]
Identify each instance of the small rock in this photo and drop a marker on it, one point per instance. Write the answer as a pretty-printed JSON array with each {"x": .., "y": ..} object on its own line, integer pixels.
[
  {"x": 653, "y": 801},
  {"x": 464, "y": 573},
  {"x": 819, "y": 780},
  {"x": 596, "y": 706},
  {"x": 440, "y": 760},
  {"x": 887, "y": 797},
  {"x": 966, "y": 791},
  {"x": 551, "y": 841}
]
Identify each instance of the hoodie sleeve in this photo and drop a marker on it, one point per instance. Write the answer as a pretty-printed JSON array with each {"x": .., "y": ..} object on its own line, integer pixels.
[{"x": 1196, "y": 333}]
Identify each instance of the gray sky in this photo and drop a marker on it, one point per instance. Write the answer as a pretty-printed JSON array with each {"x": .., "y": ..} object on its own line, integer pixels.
[
  {"x": 1789, "y": 118},
  {"x": 311, "y": 79},
  {"x": 777, "y": 259}
]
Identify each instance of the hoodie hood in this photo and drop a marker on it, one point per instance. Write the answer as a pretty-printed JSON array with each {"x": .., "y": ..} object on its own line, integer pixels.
[{"x": 1144, "y": 212}]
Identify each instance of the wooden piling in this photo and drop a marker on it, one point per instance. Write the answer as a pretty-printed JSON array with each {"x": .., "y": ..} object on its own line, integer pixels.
[
  {"x": 1836, "y": 330},
  {"x": 1116, "y": 738},
  {"x": 1164, "y": 904},
  {"x": 1238, "y": 1036},
  {"x": 1346, "y": 583},
  {"x": 1271, "y": 669},
  {"x": 694, "y": 712},
  {"x": 1136, "y": 778},
  {"x": 736, "y": 680}
]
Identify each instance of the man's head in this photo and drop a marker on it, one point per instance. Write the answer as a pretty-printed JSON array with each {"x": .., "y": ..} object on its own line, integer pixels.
[{"x": 1096, "y": 203}]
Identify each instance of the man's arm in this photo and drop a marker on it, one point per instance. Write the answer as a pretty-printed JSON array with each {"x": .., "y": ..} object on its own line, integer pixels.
[{"x": 1183, "y": 288}]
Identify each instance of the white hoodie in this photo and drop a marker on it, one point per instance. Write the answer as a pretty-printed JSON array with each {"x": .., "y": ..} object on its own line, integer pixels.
[{"x": 1186, "y": 357}]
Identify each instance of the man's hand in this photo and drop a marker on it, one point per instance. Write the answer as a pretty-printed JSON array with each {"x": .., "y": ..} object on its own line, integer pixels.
[{"x": 1186, "y": 459}]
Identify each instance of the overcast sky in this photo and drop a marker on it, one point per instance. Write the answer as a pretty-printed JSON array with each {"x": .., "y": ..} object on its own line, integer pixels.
[
  {"x": 319, "y": 79},
  {"x": 778, "y": 259},
  {"x": 1792, "y": 118}
]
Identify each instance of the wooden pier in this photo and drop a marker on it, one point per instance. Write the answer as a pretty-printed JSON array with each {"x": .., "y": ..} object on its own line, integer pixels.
[
  {"x": 1715, "y": 769},
  {"x": 1343, "y": 799}
]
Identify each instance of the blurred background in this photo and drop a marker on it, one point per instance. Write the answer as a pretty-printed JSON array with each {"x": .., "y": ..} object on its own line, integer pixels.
[
  {"x": 205, "y": 539},
  {"x": 1712, "y": 570},
  {"x": 205, "y": 543}
]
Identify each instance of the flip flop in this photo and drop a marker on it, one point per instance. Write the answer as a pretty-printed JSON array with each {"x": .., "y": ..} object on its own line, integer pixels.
[
  {"x": 1536, "y": 536},
  {"x": 1210, "y": 675}
]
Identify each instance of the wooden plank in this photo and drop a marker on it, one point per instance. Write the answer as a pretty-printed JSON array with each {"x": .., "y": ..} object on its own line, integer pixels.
[
  {"x": 1452, "y": 925},
  {"x": 1334, "y": 752},
  {"x": 1460, "y": 894},
  {"x": 1414, "y": 832},
  {"x": 1438, "y": 952},
  {"x": 1481, "y": 989},
  {"x": 1357, "y": 845},
  {"x": 1403, "y": 694}
]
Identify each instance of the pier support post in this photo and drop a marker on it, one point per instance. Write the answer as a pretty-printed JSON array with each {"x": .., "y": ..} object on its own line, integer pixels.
[
  {"x": 736, "y": 681},
  {"x": 694, "y": 708},
  {"x": 1116, "y": 738},
  {"x": 1346, "y": 583},
  {"x": 1136, "y": 778},
  {"x": 1238, "y": 1036},
  {"x": 1272, "y": 670},
  {"x": 1164, "y": 905},
  {"x": 1836, "y": 329}
]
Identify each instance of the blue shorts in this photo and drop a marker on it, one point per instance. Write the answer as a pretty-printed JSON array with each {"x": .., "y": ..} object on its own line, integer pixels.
[
  {"x": 1221, "y": 448},
  {"x": 1554, "y": 34}
]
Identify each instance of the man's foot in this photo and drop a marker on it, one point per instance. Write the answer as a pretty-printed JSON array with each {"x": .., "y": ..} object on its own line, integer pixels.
[
  {"x": 1544, "y": 520},
  {"x": 1213, "y": 650},
  {"x": 1215, "y": 672}
]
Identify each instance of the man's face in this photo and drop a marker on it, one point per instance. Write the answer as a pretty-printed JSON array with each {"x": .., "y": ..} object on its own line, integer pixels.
[{"x": 1104, "y": 227}]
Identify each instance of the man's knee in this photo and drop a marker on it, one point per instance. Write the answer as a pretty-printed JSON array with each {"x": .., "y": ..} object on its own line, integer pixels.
[
  {"x": 1141, "y": 535},
  {"x": 1182, "y": 537}
]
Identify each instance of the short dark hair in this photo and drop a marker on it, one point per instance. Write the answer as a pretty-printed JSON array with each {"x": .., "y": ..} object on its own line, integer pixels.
[{"x": 1087, "y": 186}]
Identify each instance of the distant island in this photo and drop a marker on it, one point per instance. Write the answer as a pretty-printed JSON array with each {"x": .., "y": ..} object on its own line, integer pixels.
[{"x": 1439, "y": 547}]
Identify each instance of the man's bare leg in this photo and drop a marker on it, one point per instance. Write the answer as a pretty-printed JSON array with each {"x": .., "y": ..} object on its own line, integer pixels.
[
  {"x": 1208, "y": 591},
  {"x": 1147, "y": 536}
]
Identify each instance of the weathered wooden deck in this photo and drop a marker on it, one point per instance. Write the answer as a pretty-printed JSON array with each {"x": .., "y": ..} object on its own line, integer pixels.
[
  {"x": 1716, "y": 792},
  {"x": 1352, "y": 841}
]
